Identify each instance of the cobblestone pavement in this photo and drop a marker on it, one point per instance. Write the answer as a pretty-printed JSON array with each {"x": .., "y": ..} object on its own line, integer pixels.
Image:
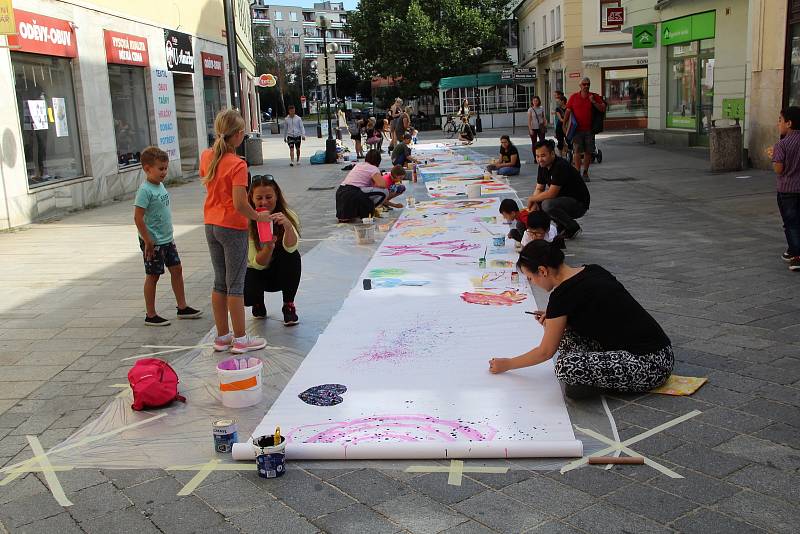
[{"x": 701, "y": 251}]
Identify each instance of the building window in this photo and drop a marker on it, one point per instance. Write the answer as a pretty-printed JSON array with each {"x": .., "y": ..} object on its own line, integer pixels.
[
  {"x": 558, "y": 22},
  {"x": 293, "y": 16},
  {"x": 295, "y": 32},
  {"x": 279, "y": 32},
  {"x": 609, "y": 16},
  {"x": 46, "y": 103},
  {"x": 626, "y": 92},
  {"x": 533, "y": 37},
  {"x": 544, "y": 30},
  {"x": 278, "y": 15},
  {"x": 308, "y": 16},
  {"x": 792, "y": 71},
  {"x": 552, "y": 24},
  {"x": 129, "y": 108},
  {"x": 296, "y": 48}
]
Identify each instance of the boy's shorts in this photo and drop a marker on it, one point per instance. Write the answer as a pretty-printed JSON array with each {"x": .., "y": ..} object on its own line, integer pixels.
[
  {"x": 397, "y": 188},
  {"x": 293, "y": 141},
  {"x": 162, "y": 255}
]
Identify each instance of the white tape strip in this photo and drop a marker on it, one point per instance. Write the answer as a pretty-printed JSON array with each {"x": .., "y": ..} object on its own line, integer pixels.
[
  {"x": 613, "y": 424},
  {"x": 49, "y": 474},
  {"x": 455, "y": 470},
  {"x": 622, "y": 448},
  {"x": 196, "y": 480}
]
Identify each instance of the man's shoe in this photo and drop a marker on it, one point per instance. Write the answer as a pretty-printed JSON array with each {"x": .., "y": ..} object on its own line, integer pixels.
[
  {"x": 247, "y": 343},
  {"x": 157, "y": 320},
  {"x": 786, "y": 256},
  {"x": 260, "y": 311},
  {"x": 290, "y": 314},
  {"x": 794, "y": 264},
  {"x": 586, "y": 177},
  {"x": 566, "y": 234},
  {"x": 188, "y": 313}
]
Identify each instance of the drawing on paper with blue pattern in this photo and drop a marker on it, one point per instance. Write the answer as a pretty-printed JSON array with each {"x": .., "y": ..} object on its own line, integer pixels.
[{"x": 386, "y": 272}]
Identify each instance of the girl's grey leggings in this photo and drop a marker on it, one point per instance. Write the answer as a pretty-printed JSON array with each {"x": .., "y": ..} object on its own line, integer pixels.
[{"x": 228, "y": 249}]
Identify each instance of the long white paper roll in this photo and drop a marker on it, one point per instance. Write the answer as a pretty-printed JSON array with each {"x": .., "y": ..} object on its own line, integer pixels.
[{"x": 422, "y": 451}]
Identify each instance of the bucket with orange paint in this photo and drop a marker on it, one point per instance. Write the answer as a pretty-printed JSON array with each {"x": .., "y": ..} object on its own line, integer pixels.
[{"x": 240, "y": 381}]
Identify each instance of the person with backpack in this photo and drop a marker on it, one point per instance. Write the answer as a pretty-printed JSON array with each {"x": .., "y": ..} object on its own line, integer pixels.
[{"x": 585, "y": 106}]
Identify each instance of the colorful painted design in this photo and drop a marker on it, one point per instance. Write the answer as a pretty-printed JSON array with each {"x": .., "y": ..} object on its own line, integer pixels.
[
  {"x": 424, "y": 232},
  {"x": 491, "y": 280},
  {"x": 398, "y": 345},
  {"x": 457, "y": 205},
  {"x": 397, "y": 282},
  {"x": 500, "y": 264},
  {"x": 397, "y": 428},
  {"x": 509, "y": 297},
  {"x": 435, "y": 250},
  {"x": 386, "y": 272},
  {"x": 324, "y": 395}
]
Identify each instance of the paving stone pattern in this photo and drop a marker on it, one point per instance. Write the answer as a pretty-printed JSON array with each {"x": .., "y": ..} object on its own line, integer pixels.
[{"x": 699, "y": 250}]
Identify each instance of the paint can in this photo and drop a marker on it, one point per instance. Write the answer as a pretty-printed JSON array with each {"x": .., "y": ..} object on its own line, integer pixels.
[
  {"x": 225, "y": 434},
  {"x": 367, "y": 284},
  {"x": 481, "y": 263},
  {"x": 499, "y": 240},
  {"x": 514, "y": 277},
  {"x": 270, "y": 458}
]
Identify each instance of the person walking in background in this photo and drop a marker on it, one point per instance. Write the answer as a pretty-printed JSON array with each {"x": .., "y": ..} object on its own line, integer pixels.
[
  {"x": 583, "y": 105},
  {"x": 785, "y": 156},
  {"x": 294, "y": 134},
  {"x": 561, "y": 108},
  {"x": 537, "y": 121},
  {"x": 226, "y": 214}
]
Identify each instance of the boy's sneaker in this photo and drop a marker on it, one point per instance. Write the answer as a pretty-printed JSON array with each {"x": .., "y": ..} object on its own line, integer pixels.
[
  {"x": 223, "y": 343},
  {"x": 260, "y": 311},
  {"x": 786, "y": 256},
  {"x": 156, "y": 320},
  {"x": 188, "y": 313},
  {"x": 290, "y": 317},
  {"x": 794, "y": 264},
  {"x": 247, "y": 343}
]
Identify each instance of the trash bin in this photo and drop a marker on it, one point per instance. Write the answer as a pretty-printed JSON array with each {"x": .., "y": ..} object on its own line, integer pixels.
[
  {"x": 725, "y": 144},
  {"x": 274, "y": 128},
  {"x": 253, "y": 152}
]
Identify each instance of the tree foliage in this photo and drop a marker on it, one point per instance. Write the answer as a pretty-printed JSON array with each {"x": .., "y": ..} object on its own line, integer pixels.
[{"x": 424, "y": 40}]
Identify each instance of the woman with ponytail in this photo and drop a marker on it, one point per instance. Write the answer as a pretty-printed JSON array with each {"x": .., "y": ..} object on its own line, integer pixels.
[
  {"x": 606, "y": 341},
  {"x": 227, "y": 213}
]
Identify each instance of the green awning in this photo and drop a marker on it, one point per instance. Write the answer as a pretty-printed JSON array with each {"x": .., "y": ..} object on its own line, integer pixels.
[{"x": 485, "y": 79}]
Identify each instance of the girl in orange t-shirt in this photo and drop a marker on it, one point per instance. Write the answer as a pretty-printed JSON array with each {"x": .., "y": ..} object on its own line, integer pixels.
[{"x": 226, "y": 214}]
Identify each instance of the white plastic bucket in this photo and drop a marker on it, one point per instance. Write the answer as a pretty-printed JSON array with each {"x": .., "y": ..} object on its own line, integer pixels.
[
  {"x": 365, "y": 233},
  {"x": 240, "y": 388},
  {"x": 474, "y": 191}
]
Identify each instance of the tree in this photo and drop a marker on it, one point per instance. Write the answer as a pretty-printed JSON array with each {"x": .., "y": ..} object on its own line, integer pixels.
[
  {"x": 348, "y": 82},
  {"x": 274, "y": 55},
  {"x": 425, "y": 41}
]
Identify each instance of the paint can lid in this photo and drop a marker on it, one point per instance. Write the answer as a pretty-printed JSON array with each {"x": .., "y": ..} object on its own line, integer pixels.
[{"x": 223, "y": 423}]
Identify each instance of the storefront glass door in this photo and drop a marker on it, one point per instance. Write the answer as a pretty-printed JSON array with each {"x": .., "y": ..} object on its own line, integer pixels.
[{"x": 690, "y": 86}]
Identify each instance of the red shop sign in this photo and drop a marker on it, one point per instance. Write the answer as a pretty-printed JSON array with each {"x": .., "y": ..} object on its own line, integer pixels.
[
  {"x": 615, "y": 16},
  {"x": 213, "y": 65},
  {"x": 38, "y": 34},
  {"x": 126, "y": 49}
]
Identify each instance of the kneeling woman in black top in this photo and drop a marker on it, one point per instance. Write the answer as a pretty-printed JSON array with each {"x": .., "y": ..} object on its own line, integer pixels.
[
  {"x": 606, "y": 341},
  {"x": 273, "y": 266}
]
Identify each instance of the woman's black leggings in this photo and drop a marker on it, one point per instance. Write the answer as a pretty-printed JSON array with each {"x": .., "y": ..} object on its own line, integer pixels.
[{"x": 283, "y": 274}]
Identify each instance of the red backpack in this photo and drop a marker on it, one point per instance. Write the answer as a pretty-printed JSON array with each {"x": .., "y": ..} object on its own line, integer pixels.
[{"x": 154, "y": 384}]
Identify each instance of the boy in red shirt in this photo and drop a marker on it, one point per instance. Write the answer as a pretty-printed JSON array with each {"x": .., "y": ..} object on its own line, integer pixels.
[
  {"x": 518, "y": 219},
  {"x": 583, "y": 105}
]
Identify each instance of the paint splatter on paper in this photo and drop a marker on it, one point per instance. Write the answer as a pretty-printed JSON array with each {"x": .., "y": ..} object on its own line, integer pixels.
[
  {"x": 435, "y": 250},
  {"x": 424, "y": 232},
  {"x": 386, "y": 272},
  {"x": 324, "y": 395},
  {"x": 421, "y": 337},
  {"x": 397, "y": 282},
  {"x": 457, "y": 205},
  {"x": 501, "y": 264},
  {"x": 509, "y": 297},
  {"x": 394, "y": 428}
]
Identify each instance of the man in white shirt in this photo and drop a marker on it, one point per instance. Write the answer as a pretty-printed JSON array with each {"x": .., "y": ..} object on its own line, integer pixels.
[{"x": 295, "y": 132}]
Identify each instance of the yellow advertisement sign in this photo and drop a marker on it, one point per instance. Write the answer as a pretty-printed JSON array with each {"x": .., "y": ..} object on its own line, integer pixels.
[{"x": 7, "y": 26}]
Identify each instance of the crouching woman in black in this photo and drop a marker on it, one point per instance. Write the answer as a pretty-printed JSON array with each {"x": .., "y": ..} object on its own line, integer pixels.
[
  {"x": 606, "y": 341},
  {"x": 273, "y": 266}
]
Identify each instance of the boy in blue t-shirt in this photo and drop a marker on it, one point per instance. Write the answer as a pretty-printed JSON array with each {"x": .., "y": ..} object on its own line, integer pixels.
[{"x": 153, "y": 220}]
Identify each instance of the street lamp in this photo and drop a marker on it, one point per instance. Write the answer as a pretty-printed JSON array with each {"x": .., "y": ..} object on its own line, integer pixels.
[
  {"x": 330, "y": 48},
  {"x": 476, "y": 53},
  {"x": 315, "y": 68}
]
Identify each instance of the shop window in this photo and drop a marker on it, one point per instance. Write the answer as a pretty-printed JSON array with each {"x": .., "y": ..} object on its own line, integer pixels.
[
  {"x": 626, "y": 92},
  {"x": 793, "y": 72},
  {"x": 609, "y": 24},
  {"x": 130, "y": 111},
  {"x": 46, "y": 103}
]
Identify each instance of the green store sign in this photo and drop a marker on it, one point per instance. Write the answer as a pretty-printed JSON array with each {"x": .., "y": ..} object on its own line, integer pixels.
[
  {"x": 644, "y": 36},
  {"x": 687, "y": 29}
]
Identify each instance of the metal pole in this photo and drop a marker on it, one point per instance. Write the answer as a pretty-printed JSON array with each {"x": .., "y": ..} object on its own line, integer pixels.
[
  {"x": 233, "y": 55},
  {"x": 478, "y": 122},
  {"x": 302, "y": 90},
  {"x": 330, "y": 144}
]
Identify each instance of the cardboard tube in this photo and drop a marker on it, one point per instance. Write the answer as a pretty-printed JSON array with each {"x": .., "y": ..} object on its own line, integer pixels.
[{"x": 627, "y": 460}]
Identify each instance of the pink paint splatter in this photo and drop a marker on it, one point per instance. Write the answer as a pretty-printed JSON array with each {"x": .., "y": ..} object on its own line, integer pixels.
[
  {"x": 392, "y": 428},
  {"x": 492, "y": 298}
]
